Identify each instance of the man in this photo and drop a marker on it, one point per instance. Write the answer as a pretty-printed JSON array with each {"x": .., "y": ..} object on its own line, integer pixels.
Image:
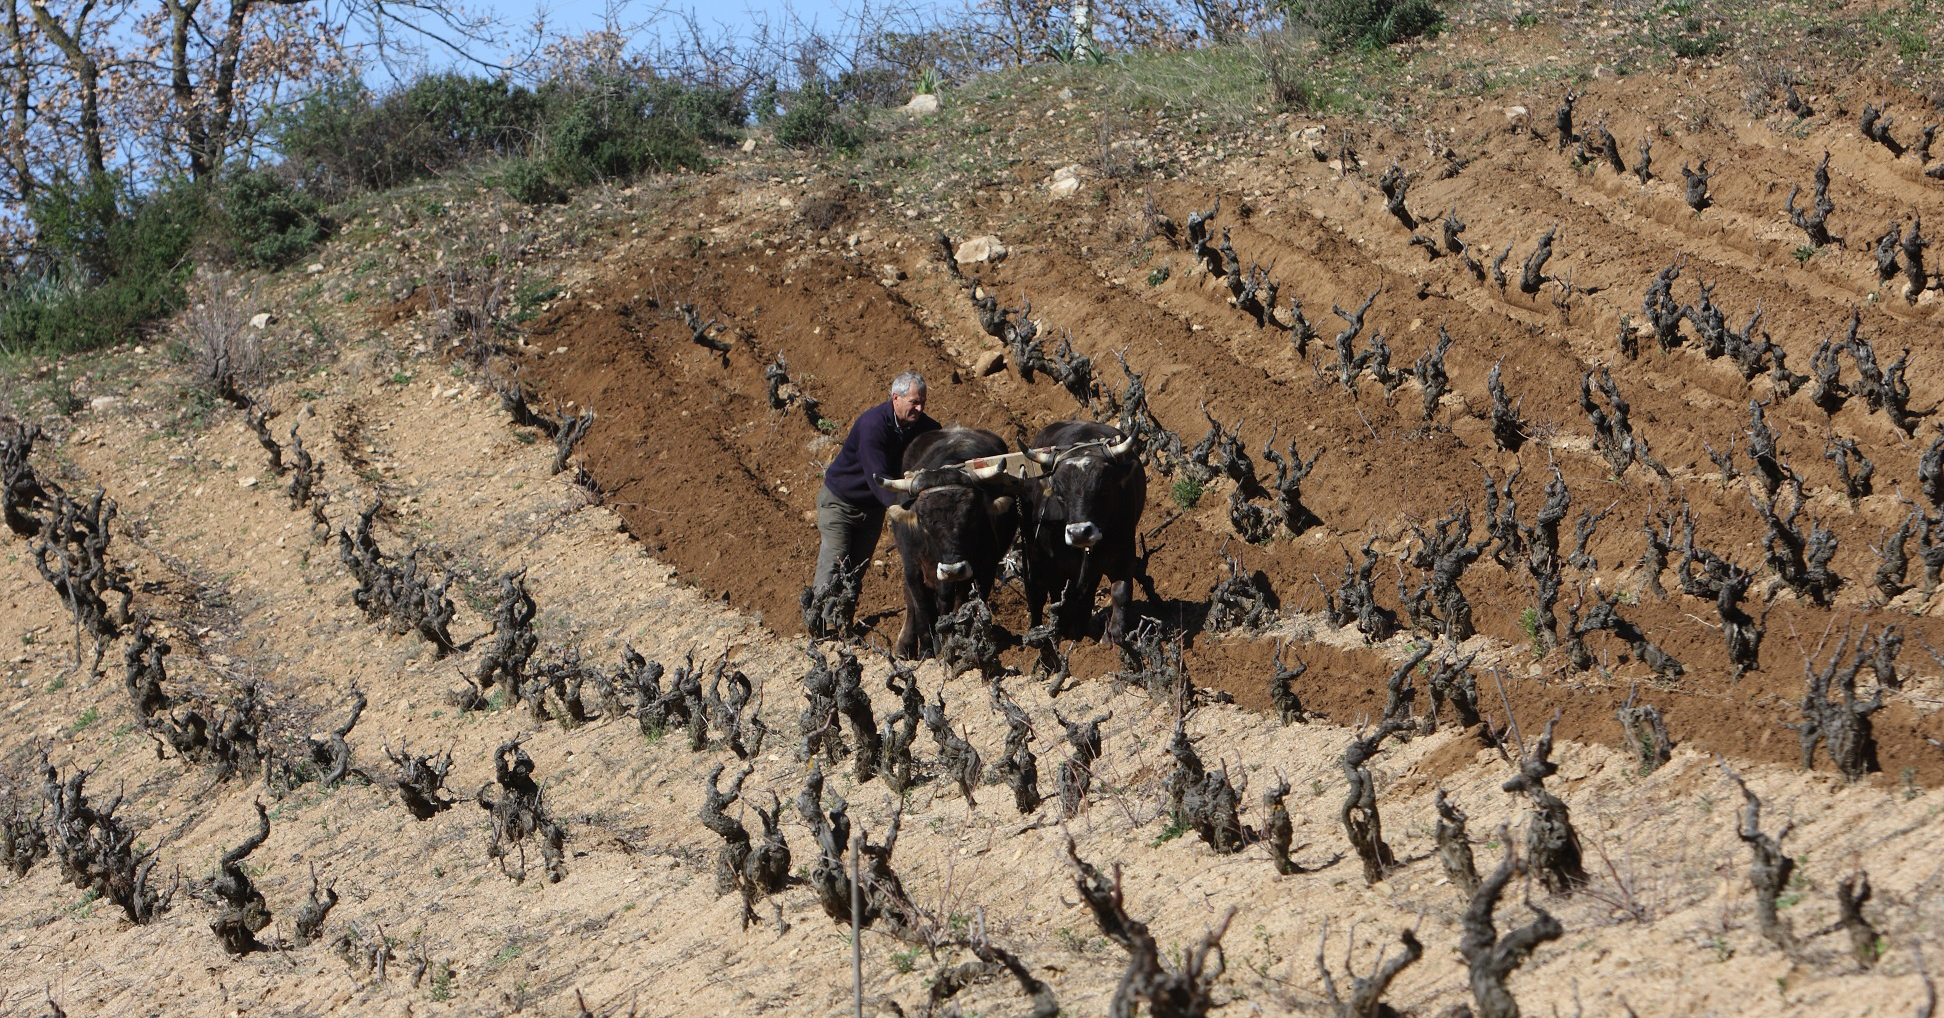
[{"x": 850, "y": 506}]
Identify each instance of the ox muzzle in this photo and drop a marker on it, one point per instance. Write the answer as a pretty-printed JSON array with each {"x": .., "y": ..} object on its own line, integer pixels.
[
  {"x": 1082, "y": 535},
  {"x": 953, "y": 572}
]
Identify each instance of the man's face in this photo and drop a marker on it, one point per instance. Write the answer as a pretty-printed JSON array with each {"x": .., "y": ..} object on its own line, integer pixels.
[{"x": 907, "y": 408}]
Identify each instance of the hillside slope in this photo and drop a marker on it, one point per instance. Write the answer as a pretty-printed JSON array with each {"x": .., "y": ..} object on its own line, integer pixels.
[{"x": 698, "y": 548}]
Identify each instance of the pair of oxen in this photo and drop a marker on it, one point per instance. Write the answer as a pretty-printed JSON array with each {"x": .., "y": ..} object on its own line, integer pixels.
[{"x": 1076, "y": 521}]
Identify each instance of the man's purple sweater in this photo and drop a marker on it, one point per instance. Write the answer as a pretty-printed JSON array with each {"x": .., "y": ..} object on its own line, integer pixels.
[{"x": 874, "y": 448}]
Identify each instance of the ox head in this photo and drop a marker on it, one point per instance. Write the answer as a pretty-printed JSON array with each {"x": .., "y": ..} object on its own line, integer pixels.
[
  {"x": 949, "y": 518},
  {"x": 1079, "y": 480}
]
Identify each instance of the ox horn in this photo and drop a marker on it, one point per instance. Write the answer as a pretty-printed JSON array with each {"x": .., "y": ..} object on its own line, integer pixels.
[
  {"x": 1121, "y": 449},
  {"x": 894, "y": 483},
  {"x": 986, "y": 472},
  {"x": 1043, "y": 457}
]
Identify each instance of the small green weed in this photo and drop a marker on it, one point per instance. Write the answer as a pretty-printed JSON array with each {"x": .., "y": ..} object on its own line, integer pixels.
[
  {"x": 441, "y": 985},
  {"x": 1078, "y": 943},
  {"x": 1158, "y": 275},
  {"x": 905, "y": 961},
  {"x": 1805, "y": 252},
  {"x": 88, "y": 717},
  {"x": 1186, "y": 491},
  {"x": 530, "y": 296},
  {"x": 1177, "y": 826},
  {"x": 1529, "y": 625}
]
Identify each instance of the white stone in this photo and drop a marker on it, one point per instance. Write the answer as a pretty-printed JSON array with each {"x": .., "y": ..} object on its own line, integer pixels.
[
  {"x": 1067, "y": 181},
  {"x": 984, "y": 248},
  {"x": 749, "y": 145},
  {"x": 314, "y": 268},
  {"x": 103, "y": 402},
  {"x": 1516, "y": 117},
  {"x": 922, "y": 104}
]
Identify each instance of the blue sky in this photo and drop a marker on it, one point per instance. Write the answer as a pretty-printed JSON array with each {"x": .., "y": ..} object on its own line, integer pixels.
[{"x": 736, "y": 19}]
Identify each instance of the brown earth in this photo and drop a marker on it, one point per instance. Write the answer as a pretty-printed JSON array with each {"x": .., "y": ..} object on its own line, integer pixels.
[
  {"x": 720, "y": 486},
  {"x": 706, "y": 490}
]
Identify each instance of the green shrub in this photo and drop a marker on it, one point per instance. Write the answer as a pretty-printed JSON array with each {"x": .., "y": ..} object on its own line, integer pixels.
[
  {"x": 815, "y": 119},
  {"x": 338, "y": 140},
  {"x": 1186, "y": 491},
  {"x": 528, "y": 182},
  {"x": 1349, "y": 24},
  {"x": 268, "y": 223},
  {"x": 768, "y": 104},
  {"x": 104, "y": 262},
  {"x": 617, "y": 129},
  {"x": 599, "y": 137},
  {"x": 469, "y": 117},
  {"x": 345, "y": 137}
]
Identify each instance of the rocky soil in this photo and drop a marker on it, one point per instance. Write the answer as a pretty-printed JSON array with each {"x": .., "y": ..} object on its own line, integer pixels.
[{"x": 687, "y": 535}]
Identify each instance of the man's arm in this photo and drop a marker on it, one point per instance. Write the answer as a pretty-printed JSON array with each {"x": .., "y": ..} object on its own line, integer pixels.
[{"x": 881, "y": 454}]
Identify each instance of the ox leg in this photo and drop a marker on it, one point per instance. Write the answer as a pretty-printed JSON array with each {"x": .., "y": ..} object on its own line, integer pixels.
[
  {"x": 1035, "y": 584},
  {"x": 1076, "y": 612},
  {"x": 915, "y": 638},
  {"x": 1119, "y": 595}
]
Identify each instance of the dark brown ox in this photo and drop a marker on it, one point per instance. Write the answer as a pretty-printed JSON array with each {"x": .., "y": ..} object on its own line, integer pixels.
[
  {"x": 953, "y": 527},
  {"x": 1080, "y": 524}
]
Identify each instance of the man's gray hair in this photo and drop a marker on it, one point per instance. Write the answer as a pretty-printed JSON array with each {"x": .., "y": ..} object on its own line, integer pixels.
[{"x": 908, "y": 383}]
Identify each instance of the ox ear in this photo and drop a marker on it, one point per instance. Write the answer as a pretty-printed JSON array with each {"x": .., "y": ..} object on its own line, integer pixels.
[
  {"x": 1000, "y": 506},
  {"x": 900, "y": 516}
]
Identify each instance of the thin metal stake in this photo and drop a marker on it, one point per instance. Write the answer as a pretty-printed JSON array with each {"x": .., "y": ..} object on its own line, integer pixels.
[{"x": 857, "y": 924}]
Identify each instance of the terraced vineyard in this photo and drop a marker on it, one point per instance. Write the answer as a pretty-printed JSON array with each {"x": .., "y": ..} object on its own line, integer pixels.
[{"x": 1680, "y": 470}]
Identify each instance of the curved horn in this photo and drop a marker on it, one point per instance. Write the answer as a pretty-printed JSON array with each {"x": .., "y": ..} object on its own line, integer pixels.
[
  {"x": 894, "y": 483},
  {"x": 1121, "y": 449},
  {"x": 1043, "y": 457},
  {"x": 985, "y": 473}
]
